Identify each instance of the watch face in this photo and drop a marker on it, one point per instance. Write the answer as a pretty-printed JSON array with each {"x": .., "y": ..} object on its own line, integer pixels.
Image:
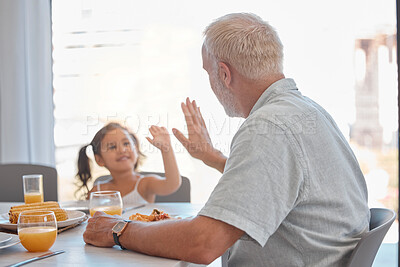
[{"x": 118, "y": 227}]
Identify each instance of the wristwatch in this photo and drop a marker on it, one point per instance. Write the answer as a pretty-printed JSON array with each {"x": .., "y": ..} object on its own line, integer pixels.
[{"x": 117, "y": 231}]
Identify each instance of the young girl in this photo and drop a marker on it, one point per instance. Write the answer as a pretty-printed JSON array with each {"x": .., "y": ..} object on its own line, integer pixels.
[{"x": 116, "y": 149}]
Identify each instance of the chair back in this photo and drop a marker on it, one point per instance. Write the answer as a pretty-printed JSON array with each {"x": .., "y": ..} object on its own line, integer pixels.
[
  {"x": 180, "y": 195},
  {"x": 102, "y": 179},
  {"x": 364, "y": 253},
  {"x": 11, "y": 189}
]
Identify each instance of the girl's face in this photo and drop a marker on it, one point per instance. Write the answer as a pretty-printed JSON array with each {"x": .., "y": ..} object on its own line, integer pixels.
[{"x": 118, "y": 152}]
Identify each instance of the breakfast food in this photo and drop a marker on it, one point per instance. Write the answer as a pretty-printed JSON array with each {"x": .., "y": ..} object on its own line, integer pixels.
[
  {"x": 61, "y": 214},
  {"x": 156, "y": 215},
  {"x": 31, "y": 206}
]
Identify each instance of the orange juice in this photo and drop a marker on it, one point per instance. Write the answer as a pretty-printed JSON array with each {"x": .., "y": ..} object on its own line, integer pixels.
[
  {"x": 110, "y": 210},
  {"x": 33, "y": 198},
  {"x": 39, "y": 238}
]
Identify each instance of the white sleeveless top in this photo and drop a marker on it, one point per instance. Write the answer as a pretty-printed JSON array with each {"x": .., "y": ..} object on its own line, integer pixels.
[{"x": 133, "y": 197}]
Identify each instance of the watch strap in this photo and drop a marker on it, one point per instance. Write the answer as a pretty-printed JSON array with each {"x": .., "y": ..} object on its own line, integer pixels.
[
  {"x": 116, "y": 236},
  {"x": 116, "y": 240}
]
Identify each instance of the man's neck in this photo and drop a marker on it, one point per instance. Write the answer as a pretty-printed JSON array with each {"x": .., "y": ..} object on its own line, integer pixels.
[{"x": 252, "y": 91}]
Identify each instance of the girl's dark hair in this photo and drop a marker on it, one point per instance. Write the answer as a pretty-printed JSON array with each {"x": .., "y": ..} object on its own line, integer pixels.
[{"x": 84, "y": 173}]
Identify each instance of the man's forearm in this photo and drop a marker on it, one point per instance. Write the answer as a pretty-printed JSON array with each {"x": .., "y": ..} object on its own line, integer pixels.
[
  {"x": 170, "y": 239},
  {"x": 199, "y": 240}
]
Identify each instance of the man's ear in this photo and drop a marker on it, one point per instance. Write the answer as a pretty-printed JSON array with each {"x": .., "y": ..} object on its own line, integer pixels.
[
  {"x": 224, "y": 74},
  {"x": 99, "y": 160}
]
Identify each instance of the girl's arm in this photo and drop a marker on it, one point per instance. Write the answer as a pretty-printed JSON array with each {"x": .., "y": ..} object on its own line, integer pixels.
[{"x": 172, "y": 181}]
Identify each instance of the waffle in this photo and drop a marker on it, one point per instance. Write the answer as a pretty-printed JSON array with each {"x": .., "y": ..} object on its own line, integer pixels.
[{"x": 61, "y": 214}]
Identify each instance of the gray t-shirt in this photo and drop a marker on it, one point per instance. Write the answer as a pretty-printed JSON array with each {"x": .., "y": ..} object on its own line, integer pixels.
[{"x": 292, "y": 184}]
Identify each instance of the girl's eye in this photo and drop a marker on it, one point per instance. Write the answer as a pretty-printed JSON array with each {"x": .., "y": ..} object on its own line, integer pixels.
[
  {"x": 127, "y": 144},
  {"x": 111, "y": 147}
]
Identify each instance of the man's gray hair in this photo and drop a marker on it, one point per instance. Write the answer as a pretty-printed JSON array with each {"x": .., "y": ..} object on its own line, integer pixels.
[{"x": 247, "y": 43}]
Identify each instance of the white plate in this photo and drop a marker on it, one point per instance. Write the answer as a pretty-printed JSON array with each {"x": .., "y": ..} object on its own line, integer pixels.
[
  {"x": 74, "y": 216},
  {"x": 4, "y": 238},
  {"x": 81, "y": 205},
  {"x": 13, "y": 241}
]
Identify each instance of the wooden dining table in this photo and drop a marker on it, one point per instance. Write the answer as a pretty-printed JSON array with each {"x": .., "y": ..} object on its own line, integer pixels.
[{"x": 78, "y": 253}]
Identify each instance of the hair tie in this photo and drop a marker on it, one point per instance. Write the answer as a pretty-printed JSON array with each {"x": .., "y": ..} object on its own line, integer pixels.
[{"x": 94, "y": 148}]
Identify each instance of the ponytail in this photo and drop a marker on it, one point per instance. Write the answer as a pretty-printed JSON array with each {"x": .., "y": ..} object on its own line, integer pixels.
[{"x": 84, "y": 174}]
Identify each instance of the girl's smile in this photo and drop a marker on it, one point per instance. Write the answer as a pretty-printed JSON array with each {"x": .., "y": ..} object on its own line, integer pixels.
[
  {"x": 123, "y": 158},
  {"x": 118, "y": 147}
]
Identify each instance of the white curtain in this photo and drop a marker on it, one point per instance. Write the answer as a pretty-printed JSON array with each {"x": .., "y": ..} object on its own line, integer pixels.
[{"x": 26, "y": 92}]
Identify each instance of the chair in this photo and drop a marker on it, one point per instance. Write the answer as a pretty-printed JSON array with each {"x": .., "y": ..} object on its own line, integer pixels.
[
  {"x": 180, "y": 195},
  {"x": 102, "y": 179},
  {"x": 11, "y": 189},
  {"x": 364, "y": 253}
]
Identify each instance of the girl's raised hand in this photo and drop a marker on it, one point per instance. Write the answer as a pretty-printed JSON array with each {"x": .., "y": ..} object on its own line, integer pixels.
[{"x": 161, "y": 138}]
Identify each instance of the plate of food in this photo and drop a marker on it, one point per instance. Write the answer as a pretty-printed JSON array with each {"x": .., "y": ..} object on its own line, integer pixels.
[
  {"x": 155, "y": 215},
  {"x": 64, "y": 217}
]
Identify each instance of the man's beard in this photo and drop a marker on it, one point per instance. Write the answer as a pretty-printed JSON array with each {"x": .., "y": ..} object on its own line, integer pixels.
[{"x": 226, "y": 99}]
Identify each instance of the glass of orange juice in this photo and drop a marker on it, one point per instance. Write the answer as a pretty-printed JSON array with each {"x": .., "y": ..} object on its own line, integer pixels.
[
  {"x": 33, "y": 188},
  {"x": 109, "y": 202},
  {"x": 37, "y": 230}
]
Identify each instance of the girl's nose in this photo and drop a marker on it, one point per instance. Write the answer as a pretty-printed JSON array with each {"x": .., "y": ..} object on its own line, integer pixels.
[{"x": 122, "y": 148}]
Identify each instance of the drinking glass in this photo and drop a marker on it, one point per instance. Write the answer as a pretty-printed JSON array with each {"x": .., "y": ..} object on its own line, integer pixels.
[
  {"x": 33, "y": 188},
  {"x": 37, "y": 230},
  {"x": 109, "y": 202}
]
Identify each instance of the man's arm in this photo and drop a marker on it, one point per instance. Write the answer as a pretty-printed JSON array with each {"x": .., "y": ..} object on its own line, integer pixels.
[
  {"x": 198, "y": 143},
  {"x": 198, "y": 240}
]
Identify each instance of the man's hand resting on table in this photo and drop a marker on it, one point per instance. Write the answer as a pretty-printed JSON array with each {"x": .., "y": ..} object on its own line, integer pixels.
[{"x": 99, "y": 230}]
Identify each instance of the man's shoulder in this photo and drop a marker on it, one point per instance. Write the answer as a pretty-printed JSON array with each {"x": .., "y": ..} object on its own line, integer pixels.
[
  {"x": 286, "y": 111},
  {"x": 277, "y": 116}
]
